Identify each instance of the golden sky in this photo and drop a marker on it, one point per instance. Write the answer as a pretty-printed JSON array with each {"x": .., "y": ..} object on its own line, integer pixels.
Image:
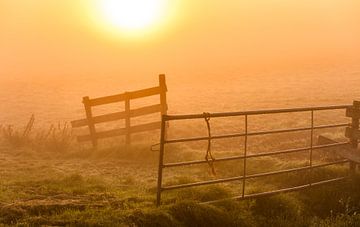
[{"x": 70, "y": 37}]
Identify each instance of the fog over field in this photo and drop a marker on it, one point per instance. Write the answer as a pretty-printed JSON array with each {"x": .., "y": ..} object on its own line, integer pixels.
[
  {"x": 218, "y": 56},
  {"x": 60, "y": 99},
  {"x": 234, "y": 56}
]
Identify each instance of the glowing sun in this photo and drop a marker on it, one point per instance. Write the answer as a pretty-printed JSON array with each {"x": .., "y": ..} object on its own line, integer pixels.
[{"x": 133, "y": 15}]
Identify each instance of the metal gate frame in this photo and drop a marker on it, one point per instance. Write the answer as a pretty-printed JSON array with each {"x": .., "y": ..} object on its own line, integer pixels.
[{"x": 163, "y": 141}]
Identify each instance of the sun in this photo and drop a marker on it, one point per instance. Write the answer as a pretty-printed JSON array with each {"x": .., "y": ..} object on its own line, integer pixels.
[{"x": 133, "y": 15}]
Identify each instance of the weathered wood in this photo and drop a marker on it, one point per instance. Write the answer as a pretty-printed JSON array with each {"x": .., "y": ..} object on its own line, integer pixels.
[
  {"x": 145, "y": 127},
  {"x": 90, "y": 121},
  {"x": 99, "y": 119},
  {"x": 163, "y": 90},
  {"x": 145, "y": 110},
  {"x": 355, "y": 129},
  {"x": 163, "y": 101},
  {"x": 351, "y": 112},
  {"x": 355, "y": 124},
  {"x": 103, "y": 134},
  {"x": 121, "y": 131},
  {"x": 122, "y": 97},
  {"x": 127, "y": 120},
  {"x": 126, "y": 97},
  {"x": 352, "y": 134},
  {"x": 119, "y": 115},
  {"x": 345, "y": 151}
]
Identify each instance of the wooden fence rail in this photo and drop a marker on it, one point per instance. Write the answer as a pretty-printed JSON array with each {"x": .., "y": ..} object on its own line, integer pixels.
[
  {"x": 90, "y": 121},
  {"x": 351, "y": 154}
]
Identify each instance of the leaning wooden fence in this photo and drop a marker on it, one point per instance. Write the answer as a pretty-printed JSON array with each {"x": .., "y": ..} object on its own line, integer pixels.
[
  {"x": 91, "y": 121},
  {"x": 352, "y": 132}
]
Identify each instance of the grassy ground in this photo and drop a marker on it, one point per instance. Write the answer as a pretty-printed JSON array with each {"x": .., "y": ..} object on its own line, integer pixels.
[{"x": 48, "y": 179}]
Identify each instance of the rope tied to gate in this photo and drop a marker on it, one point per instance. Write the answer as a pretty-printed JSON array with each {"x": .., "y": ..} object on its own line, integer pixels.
[{"x": 209, "y": 157}]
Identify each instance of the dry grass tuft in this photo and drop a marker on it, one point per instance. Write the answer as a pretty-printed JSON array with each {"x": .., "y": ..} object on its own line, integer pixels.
[{"x": 58, "y": 138}]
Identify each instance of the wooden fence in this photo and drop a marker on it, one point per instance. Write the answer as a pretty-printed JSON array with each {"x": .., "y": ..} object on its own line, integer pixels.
[
  {"x": 126, "y": 115},
  {"x": 352, "y": 132}
]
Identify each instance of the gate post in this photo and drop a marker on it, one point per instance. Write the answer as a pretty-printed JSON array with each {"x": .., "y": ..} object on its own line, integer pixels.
[
  {"x": 161, "y": 160},
  {"x": 127, "y": 119},
  {"x": 163, "y": 90},
  {"x": 163, "y": 99},
  {"x": 353, "y": 132}
]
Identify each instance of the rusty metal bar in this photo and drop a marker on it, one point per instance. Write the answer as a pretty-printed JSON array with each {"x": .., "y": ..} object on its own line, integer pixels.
[
  {"x": 274, "y": 192},
  {"x": 172, "y": 187},
  {"x": 222, "y": 180},
  {"x": 254, "y": 112},
  {"x": 245, "y": 155},
  {"x": 255, "y": 133},
  {"x": 294, "y": 188},
  {"x": 161, "y": 161},
  {"x": 311, "y": 146},
  {"x": 287, "y": 151},
  {"x": 296, "y": 169}
]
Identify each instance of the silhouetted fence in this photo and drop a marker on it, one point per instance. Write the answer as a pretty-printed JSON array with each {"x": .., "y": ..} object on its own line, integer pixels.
[
  {"x": 352, "y": 132},
  {"x": 126, "y": 115}
]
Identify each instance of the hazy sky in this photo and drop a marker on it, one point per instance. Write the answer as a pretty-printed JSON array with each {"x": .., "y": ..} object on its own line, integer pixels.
[{"x": 51, "y": 38}]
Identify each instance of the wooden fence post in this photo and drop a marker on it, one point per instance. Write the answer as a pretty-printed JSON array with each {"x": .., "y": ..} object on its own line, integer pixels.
[
  {"x": 127, "y": 119},
  {"x": 163, "y": 90},
  {"x": 89, "y": 117},
  {"x": 163, "y": 101},
  {"x": 352, "y": 132},
  {"x": 125, "y": 115}
]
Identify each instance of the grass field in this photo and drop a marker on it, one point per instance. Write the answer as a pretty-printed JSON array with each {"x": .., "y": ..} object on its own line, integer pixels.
[
  {"x": 60, "y": 59},
  {"x": 47, "y": 178}
]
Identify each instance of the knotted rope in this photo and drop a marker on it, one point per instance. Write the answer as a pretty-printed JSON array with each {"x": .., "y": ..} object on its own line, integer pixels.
[{"x": 209, "y": 157}]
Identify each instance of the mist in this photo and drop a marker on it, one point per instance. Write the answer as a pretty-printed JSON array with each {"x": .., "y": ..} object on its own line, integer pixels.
[{"x": 256, "y": 100}]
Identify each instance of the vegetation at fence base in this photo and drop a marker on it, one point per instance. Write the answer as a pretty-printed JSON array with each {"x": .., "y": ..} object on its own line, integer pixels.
[
  {"x": 82, "y": 199},
  {"x": 116, "y": 185},
  {"x": 186, "y": 213},
  {"x": 58, "y": 138}
]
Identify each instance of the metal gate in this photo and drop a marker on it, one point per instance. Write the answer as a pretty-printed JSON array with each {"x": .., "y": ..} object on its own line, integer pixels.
[{"x": 246, "y": 156}]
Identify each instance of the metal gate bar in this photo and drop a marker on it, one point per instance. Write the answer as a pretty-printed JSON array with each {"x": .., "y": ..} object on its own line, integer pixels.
[
  {"x": 259, "y": 133},
  {"x": 268, "y": 193},
  {"x": 253, "y": 112},
  {"x": 252, "y": 176},
  {"x": 288, "y": 151}
]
